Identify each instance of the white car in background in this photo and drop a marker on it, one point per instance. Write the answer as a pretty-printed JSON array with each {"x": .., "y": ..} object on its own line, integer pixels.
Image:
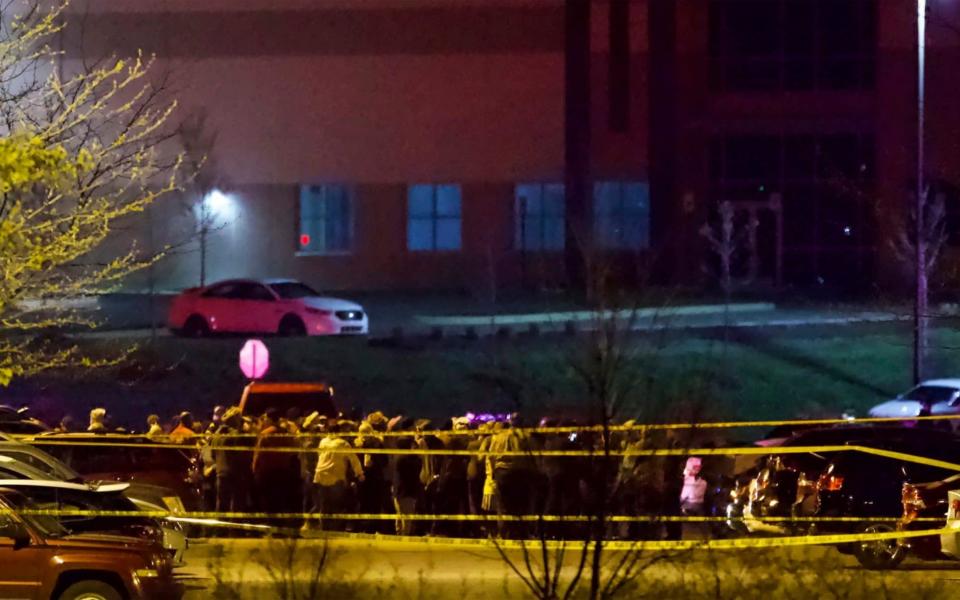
[
  {"x": 942, "y": 394},
  {"x": 278, "y": 306}
]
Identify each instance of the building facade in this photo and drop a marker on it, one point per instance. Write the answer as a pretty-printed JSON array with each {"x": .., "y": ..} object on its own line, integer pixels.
[{"x": 409, "y": 144}]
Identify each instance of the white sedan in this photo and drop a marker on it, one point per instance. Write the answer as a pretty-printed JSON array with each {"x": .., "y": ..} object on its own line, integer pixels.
[
  {"x": 942, "y": 394},
  {"x": 281, "y": 306}
]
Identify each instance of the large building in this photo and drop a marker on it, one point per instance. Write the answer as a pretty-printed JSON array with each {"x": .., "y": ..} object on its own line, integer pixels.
[{"x": 400, "y": 144}]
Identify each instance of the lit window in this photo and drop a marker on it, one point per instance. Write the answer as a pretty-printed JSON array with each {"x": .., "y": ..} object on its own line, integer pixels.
[
  {"x": 539, "y": 216},
  {"x": 326, "y": 225},
  {"x": 433, "y": 217},
  {"x": 621, "y": 215}
]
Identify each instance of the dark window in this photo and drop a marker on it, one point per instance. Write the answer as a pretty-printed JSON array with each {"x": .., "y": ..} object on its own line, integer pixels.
[
  {"x": 931, "y": 393},
  {"x": 621, "y": 213},
  {"x": 224, "y": 290},
  {"x": 792, "y": 44},
  {"x": 9, "y": 528},
  {"x": 326, "y": 221},
  {"x": 252, "y": 291},
  {"x": 433, "y": 217},
  {"x": 291, "y": 290},
  {"x": 824, "y": 184},
  {"x": 539, "y": 216}
]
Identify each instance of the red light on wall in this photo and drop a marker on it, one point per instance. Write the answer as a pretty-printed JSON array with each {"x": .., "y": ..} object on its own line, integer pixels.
[{"x": 304, "y": 240}]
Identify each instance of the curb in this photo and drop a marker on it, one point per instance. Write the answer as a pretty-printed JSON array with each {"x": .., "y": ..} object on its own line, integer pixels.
[{"x": 587, "y": 315}]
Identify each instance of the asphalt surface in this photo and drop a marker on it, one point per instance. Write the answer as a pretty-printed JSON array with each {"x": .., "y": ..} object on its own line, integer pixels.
[{"x": 247, "y": 568}]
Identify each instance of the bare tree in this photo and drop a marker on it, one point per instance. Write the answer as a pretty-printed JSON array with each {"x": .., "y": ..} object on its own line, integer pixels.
[
  {"x": 726, "y": 242},
  {"x": 572, "y": 559},
  {"x": 198, "y": 141},
  {"x": 933, "y": 238}
]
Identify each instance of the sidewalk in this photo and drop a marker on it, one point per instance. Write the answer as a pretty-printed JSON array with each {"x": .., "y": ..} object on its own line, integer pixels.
[{"x": 697, "y": 317}]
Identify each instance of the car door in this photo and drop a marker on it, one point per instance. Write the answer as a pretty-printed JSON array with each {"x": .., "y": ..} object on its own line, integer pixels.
[
  {"x": 257, "y": 309},
  {"x": 219, "y": 307},
  {"x": 19, "y": 567}
]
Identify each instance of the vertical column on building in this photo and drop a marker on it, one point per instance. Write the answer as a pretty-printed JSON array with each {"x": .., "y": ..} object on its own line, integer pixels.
[
  {"x": 664, "y": 211},
  {"x": 577, "y": 175},
  {"x": 619, "y": 66}
]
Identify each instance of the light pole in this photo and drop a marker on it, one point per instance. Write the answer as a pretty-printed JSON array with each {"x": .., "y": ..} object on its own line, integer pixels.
[{"x": 920, "y": 298}]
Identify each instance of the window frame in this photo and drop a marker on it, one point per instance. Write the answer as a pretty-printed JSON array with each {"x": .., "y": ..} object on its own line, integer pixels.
[
  {"x": 434, "y": 217},
  {"x": 622, "y": 244},
  {"x": 350, "y": 195},
  {"x": 243, "y": 287},
  {"x": 542, "y": 218}
]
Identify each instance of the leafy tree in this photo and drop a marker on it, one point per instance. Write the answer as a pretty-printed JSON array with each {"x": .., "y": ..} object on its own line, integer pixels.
[{"x": 80, "y": 153}]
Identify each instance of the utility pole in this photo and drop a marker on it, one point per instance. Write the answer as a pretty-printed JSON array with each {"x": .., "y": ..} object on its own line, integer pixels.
[{"x": 920, "y": 244}]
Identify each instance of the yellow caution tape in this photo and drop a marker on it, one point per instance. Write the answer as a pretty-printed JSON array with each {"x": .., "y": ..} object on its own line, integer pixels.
[
  {"x": 723, "y": 544},
  {"x": 485, "y": 518},
  {"x": 571, "y": 429},
  {"x": 595, "y": 454},
  {"x": 637, "y": 546}
]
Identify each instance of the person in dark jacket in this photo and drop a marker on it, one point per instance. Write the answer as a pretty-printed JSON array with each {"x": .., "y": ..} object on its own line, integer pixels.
[
  {"x": 562, "y": 481},
  {"x": 451, "y": 493},
  {"x": 232, "y": 466},
  {"x": 373, "y": 493},
  {"x": 407, "y": 487},
  {"x": 276, "y": 474}
]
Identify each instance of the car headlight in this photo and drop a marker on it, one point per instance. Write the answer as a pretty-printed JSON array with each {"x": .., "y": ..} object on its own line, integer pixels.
[{"x": 146, "y": 573}]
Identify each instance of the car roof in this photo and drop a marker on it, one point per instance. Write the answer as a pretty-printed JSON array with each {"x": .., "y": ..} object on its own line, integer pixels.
[
  {"x": 79, "y": 435},
  {"x": 866, "y": 432},
  {"x": 952, "y": 383},
  {"x": 63, "y": 485},
  {"x": 287, "y": 387},
  {"x": 267, "y": 281},
  {"x": 10, "y": 443}
]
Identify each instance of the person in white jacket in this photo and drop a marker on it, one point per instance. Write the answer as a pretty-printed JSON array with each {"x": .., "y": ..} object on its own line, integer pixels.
[{"x": 694, "y": 487}]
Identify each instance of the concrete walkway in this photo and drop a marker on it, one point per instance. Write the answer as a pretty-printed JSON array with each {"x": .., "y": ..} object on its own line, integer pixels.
[
  {"x": 541, "y": 318},
  {"x": 742, "y": 316},
  {"x": 687, "y": 318}
]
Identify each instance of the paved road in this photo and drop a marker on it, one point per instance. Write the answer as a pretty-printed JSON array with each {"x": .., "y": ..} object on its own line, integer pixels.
[{"x": 390, "y": 569}]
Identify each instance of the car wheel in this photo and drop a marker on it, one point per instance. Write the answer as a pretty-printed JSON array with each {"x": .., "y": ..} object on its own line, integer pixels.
[
  {"x": 291, "y": 326},
  {"x": 195, "y": 327},
  {"x": 90, "y": 590},
  {"x": 879, "y": 554}
]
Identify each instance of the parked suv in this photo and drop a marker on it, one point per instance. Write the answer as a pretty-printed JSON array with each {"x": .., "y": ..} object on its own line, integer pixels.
[
  {"x": 927, "y": 506},
  {"x": 40, "y": 559},
  {"x": 870, "y": 487},
  {"x": 797, "y": 485},
  {"x": 133, "y": 459}
]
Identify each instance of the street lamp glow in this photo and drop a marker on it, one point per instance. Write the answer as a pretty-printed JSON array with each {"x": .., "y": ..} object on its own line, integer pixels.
[{"x": 220, "y": 205}]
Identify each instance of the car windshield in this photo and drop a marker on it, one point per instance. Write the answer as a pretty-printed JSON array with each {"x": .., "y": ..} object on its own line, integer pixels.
[
  {"x": 930, "y": 393},
  {"x": 50, "y": 526},
  {"x": 38, "y": 459},
  {"x": 292, "y": 290}
]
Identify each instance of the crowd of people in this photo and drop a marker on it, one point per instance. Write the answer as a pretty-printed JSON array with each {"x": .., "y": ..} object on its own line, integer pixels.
[{"x": 335, "y": 466}]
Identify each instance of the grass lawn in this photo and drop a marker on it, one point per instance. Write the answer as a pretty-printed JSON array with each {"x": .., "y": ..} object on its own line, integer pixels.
[{"x": 755, "y": 374}]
